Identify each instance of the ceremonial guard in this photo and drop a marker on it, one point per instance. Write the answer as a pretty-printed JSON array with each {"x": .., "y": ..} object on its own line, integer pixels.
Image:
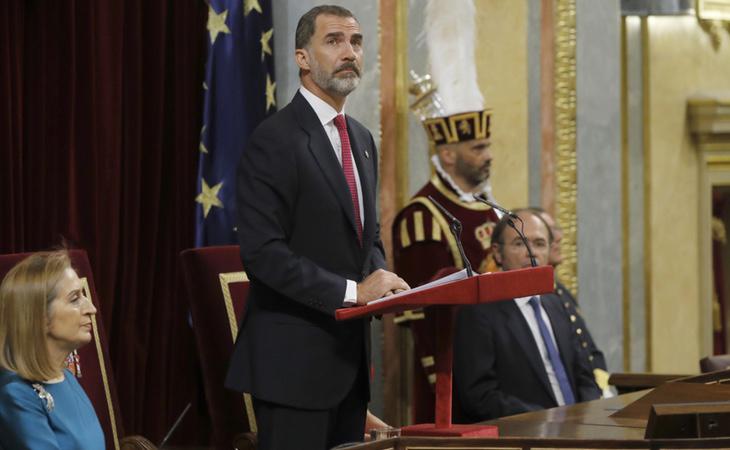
[{"x": 450, "y": 107}]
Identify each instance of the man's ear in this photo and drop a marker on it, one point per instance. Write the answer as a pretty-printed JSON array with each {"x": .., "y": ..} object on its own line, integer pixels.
[
  {"x": 301, "y": 56},
  {"x": 447, "y": 155},
  {"x": 497, "y": 254}
]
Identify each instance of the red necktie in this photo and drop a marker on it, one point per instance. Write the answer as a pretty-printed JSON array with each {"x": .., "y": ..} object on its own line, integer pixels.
[{"x": 349, "y": 172}]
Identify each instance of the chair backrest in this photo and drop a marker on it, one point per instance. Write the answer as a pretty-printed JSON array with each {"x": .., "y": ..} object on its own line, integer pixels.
[
  {"x": 217, "y": 288},
  {"x": 714, "y": 363},
  {"x": 96, "y": 374}
]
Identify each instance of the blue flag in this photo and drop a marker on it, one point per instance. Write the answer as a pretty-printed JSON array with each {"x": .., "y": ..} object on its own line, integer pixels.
[{"x": 239, "y": 93}]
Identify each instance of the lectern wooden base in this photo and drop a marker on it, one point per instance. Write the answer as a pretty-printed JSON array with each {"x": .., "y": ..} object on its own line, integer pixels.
[
  {"x": 430, "y": 429},
  {"x": 443, "y": 299}
]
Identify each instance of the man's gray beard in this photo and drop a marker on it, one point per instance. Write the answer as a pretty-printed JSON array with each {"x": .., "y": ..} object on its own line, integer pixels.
[
  {"x": 475, "y": 177},
  {"x": 331, "y": 83}
]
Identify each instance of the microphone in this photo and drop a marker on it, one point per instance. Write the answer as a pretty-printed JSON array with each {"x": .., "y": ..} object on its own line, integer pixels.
[
  {"x": 483, "y": 198},
  {"x": 455, "y": 227},
  {"x": 510, "y": 215},
  {"x": 174, "y": 426}
]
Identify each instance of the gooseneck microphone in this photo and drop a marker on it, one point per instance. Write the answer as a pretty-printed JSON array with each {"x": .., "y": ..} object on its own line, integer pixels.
[
  {"x": 483, "y": 198},
  {"x": 455, "y": 227}
]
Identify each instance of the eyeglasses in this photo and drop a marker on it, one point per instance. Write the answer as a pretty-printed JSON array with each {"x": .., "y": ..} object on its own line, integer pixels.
[{"x": 537, "y": 244}]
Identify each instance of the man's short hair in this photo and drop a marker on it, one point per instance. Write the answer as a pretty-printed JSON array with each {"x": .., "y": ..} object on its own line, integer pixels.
[{"x": 306, "y": 25}]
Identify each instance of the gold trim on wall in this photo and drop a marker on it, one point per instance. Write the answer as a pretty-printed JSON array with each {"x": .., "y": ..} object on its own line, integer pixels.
[
  {"x": 646, "y": 125},
  {"x": 401, "y": 103},
  {"x": 565, "y": 138},
  {"x": 625, "y": 223}
]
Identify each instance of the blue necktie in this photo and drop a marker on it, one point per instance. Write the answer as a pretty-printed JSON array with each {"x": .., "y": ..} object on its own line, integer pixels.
[{"x": 553, "y": 354}]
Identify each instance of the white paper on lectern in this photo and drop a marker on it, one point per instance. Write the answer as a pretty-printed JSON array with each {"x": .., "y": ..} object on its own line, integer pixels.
[{"x": 460, "y": 275}]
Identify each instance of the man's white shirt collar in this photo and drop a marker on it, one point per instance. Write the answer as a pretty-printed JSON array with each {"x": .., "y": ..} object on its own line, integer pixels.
[
  {"x": 522, "y": 301},
  {"x": 325, "y": 112},
  {"x": 466, "y": 197}
]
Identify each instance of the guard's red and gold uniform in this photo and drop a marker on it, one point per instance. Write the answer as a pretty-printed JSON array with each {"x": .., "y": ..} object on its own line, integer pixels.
[{"x": 425, "y": 249}]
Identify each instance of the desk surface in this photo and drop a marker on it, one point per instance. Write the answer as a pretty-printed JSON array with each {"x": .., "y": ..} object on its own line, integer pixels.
[
  {"x": 584, "y": 425},
  {"x": 589, "y": 420}
]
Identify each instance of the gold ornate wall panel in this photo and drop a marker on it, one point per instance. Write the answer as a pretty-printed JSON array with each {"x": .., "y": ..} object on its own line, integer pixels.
[{"x": 565, "y": 137}]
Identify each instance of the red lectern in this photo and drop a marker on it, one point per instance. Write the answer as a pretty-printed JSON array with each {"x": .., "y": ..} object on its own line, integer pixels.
[{"x": 488, "y": 287}]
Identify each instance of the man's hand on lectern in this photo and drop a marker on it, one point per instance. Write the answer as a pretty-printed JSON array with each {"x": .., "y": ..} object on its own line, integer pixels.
[{"x": 379, "y": 284}]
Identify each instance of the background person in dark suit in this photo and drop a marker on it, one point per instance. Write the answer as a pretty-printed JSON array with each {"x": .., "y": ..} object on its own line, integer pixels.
[
  {"x": 310, "y": 242},
  {"x": 517, "y": 356}
]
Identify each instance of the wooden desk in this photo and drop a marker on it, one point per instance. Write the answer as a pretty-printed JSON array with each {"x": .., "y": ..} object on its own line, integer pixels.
[{"x": 582, "y": 426}]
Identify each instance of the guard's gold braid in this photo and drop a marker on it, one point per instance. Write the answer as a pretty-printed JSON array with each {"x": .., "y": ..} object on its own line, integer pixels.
[
  {"x": 225, "y": 280},
  {"x": 456, "y": 256},
  {"x": 407, "y": 316},
  {"x": 102, "y": 368}
]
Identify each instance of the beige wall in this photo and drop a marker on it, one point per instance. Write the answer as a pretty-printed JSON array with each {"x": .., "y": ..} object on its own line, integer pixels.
[
  {"x": 681, "y": 62},
  {"x": 501, "y": 58}
]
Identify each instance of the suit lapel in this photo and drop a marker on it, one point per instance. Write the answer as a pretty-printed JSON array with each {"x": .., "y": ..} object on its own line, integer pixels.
[
  {"x": 324, "y": 154},
  {"x": 517, "y": 325}
]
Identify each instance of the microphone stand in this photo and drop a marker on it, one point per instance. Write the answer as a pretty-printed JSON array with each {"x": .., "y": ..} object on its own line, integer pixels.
[
  {"x": 510, "y": 215},
  {"x": 455, "y": 227}
]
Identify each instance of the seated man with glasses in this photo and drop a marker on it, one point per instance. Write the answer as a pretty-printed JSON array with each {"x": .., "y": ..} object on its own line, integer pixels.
[{"x": 518, "y": 355}]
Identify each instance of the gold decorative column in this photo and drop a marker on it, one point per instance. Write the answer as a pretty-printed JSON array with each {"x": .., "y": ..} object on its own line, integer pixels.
[{"x": 565, "y": 137}]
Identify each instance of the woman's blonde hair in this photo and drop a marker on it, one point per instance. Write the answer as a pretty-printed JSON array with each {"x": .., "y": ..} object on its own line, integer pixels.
[{"x": 25, "y": 295}]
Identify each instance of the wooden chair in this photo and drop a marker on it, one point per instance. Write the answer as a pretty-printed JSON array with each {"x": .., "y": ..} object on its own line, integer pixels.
[
  {"x": 96, "y": 376},
  {"x": 217, "y": 288}
]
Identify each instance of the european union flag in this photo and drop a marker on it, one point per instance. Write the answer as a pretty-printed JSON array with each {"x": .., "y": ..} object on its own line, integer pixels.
[{"x": 239, "y": 92}]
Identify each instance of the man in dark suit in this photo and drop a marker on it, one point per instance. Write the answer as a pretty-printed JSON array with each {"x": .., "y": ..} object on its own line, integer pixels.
[
  {"x": 310, "y": 243},
  {"x": 518, "y": 355}
]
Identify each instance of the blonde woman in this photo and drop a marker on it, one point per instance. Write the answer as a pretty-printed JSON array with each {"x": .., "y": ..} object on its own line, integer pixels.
[{"x": 44, "y": 316}]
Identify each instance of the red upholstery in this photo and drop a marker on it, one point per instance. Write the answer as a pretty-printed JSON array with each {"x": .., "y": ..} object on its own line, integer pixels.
[
  {"x": 97, "y": 378},
  {"x": 217, "y": 288}
]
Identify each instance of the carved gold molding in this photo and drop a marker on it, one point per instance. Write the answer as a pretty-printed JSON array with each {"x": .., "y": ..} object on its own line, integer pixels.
[
  {"x": 713, "y": 9},
  {"x": 713, "y": 16},
  {"x": 565, "y": 138},
  {"x": 709, "y": 123}
]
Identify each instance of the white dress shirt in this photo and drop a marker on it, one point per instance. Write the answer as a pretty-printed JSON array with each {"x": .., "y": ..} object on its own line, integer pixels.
[
  {"x": 528, "y": 313},
  {"x": 326, "y": 115}
]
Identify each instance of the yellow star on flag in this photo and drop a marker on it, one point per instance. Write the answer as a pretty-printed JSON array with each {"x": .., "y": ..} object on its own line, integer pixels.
[
  {"x": 265, "y": 46},
  {"x": 251, "y": 5},
  {"x": 202, "y": 148},
  {"x": 217, "y": 24},
  {"x": 208, "y": 197},
  {"x": 270, "y": 93}
]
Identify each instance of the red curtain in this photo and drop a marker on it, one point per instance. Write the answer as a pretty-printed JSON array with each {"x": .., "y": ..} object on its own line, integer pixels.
[{"x": 99, "y": 133}]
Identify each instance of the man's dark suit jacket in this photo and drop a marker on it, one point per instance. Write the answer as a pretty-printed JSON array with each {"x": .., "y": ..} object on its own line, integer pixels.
[
  {"x": 296, "y": 229},
  {"x": 498, "y": 370}
]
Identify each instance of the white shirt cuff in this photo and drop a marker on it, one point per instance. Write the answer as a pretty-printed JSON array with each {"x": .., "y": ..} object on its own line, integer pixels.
[{"x": 350, "y": 294}]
